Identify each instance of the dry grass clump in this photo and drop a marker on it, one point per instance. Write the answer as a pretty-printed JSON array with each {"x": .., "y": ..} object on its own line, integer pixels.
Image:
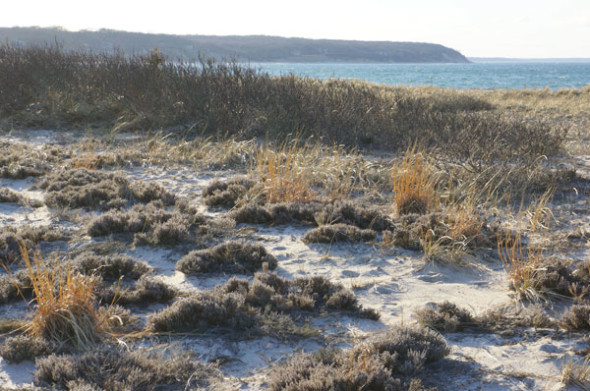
[
  {"x": 146, "y": 290},
  {"x": 65, "y": 311},
  {"x": 119, "y": 320},
  {"x": 413, "y": 183},
  {"x": 231, "y": 257},
  {"x": 151, "y": 223},
  {"x": 9, "y": 247},
  {"x": 339, "y": 233},
  {"x": 20, "y": 161},
  {"x": 313, "y": 213},
  {"x": 523, "y": 267},
  {"x": 576, "y": 373},
  {"x": 387, "y": 362},
  {"x": 251, "y": 214},
  {"x": 227, "y": 194},
  {"x": 11, "y": 238},
  {"x": 203, "y": 311},
  {"x": 117, "y": 369},
  {"x": 332, "y": 370},
  {"x": 82, "y": 188},
  {"x": 444, "y": 317},
  {"x": 111, "y": 267},
  {"x": 251, "y": 306},
  {"x": 8, "y": 195},
  {"x": 413, "y": 231},
  {"x": 352, "y": 213},
  {"x": 577, "y": 317},
  {"x": 524, "y": 263},
  {"x": 15, "y": 286},
  {"x": 23, "y": 347},
  {"x": 285, "y": 174},
  {"x": 447, "y": 317},
  {"x": 299, "y": 172}
]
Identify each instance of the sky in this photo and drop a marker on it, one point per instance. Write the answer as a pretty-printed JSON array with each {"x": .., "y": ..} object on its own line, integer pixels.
[{"x": 476, "y": 28}]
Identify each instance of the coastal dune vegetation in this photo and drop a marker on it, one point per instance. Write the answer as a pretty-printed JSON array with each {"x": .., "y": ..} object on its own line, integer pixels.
[
  {"x": 212, "y": 202},
  {"x": 46, "y": 87}
]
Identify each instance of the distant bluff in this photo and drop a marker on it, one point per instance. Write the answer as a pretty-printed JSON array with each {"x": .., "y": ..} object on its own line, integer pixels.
[{"x": 253, "y": 48}]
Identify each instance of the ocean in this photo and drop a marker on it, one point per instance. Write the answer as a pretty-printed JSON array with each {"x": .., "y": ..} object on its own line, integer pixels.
[{"x": 479, "y": 75}]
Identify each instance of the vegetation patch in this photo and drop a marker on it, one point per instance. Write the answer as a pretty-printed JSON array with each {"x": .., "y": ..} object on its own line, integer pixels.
[
  {"x": 8, "y": 195},
  {"x": 15, "y": 286},
  {"x": 387, "y": 362},
  {"x": 444, "y": 317},
  {"x": 413, "y": 230},
  {"x": 447, "y": 317},
  {"x": 19, "y": 161},
  {"x": 111, "y": 267},
  {"x": 98, "y": 190},
  {"x": 118, "y": 369},
  {"x": 65, "y": 310},
  {"x": 339, "y": 233},
  {"x": 577, "y": 317},
  {"x": 313, "y": 213},
  {"x": 227, "y": 194},
  {"x": 146, "y": 290},
  {"x": 247, "y": 306},
  {"x": 12, "y": 238},
  {"x": 23, "y": 347},
  {"x": 231, "y": 257},
  {"x": 152, "y": 223},
  {"x": 413, "y": 184}
]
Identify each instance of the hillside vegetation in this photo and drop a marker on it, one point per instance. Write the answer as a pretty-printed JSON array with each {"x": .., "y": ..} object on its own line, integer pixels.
[
  {"x": 51, "y": 88},
  {"x": 243, "y": 48}
]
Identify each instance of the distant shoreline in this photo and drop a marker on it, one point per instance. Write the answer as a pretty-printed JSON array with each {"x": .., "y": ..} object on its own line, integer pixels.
[{"x": 527, "y": 60}]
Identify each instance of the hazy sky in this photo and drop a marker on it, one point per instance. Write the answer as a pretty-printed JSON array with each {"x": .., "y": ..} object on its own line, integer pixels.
[{"x": 477, "y": 28}]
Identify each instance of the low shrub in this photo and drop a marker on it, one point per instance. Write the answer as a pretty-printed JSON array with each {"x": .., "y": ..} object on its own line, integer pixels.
[
  {"x": 339, "y": 233},
  {"x": 577, "y": 317},
  {"x": 150, "y": 223},
  {"x": 444, "y": 317},
  {"x": 98, "y": 190},
  {"x": 385, "y": 362},
  {"x": 145, "y": 291},
  {"x": 116, "y": 369},
  {"x": 111, "y": 268},
  {"x": 249, "y": 306},
  {"x": 24, "y": 347},
  {"x": 227, "y": 194},
  {"x": 231, "y": 257}
]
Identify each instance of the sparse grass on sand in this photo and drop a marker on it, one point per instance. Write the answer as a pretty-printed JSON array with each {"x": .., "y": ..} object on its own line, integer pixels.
[{"x": 339, "y": 157}]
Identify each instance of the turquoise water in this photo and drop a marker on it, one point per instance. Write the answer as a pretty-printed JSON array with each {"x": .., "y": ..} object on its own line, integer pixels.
[{"x": 553, "y": 75}]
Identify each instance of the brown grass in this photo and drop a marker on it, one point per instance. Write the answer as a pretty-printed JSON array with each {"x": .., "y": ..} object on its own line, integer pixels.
[
  {"x": 65, "y": 310},
  {"x": 284, "y": 174},
  {"x": 413, "y": 183},
  {"x": 523, "y": 263}
]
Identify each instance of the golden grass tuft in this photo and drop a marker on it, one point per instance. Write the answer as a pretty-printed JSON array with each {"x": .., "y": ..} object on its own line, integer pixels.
[
  {"x": 522, "y": 264},
  {"x": 284, "y": 174},
  {"x": 414, "y": 183},
  {"x": 66, "y": 309}
]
